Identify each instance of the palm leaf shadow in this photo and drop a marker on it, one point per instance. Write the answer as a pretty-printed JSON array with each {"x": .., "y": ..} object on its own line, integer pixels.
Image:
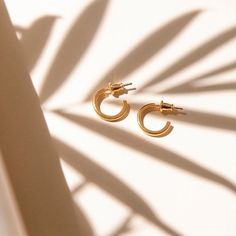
[
  {"x": 124, "y": 227},
  {"x": 146, "y": 49},
  {"x": 192, "y": 57},
  {"x": 108, "y": 182},
  {"x": 79, "y": 187},
  {"x": 73, "y": 47},
  {"x": 131, "y": 141},
  {"x": 34, "y": 38},
  {"x": 189, "y": 87},
  {"x": 201, "y": 118},
  {"x": 193, "y": 89},
  {"x": 84, "y": 225}
]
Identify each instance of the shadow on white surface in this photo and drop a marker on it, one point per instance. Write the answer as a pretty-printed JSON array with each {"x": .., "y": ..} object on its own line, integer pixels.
[{"x": 75, "y": 45}]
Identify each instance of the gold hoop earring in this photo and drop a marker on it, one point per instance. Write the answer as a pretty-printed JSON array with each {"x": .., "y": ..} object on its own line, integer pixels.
[
  {"x": 156, "y": 107},
  {"x": 115, "y": 90}
]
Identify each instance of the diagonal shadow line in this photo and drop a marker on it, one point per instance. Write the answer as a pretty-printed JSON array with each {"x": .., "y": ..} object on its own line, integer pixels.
[
  {"x": 124, "y": 227},
  {"x": 187, "y": 87},
  {"x": 220, "y": 70},
  {"x": 201, "y": 118},
  {"x": 111, "y": 184},
  {"x": 38, "y": 32},
  {"x": 73, "y": 47},
  {"x": 146, "y": 49},
  {"x": 131, "y": 141},
  {"x": 79, "y": 187},
  {"x": 195, "y": 55},
  {"x": 84, "y": 225}
]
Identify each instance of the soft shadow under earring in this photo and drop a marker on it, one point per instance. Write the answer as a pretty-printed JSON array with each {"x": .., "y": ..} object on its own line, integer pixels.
[
  {"x": 116, "y": 90},
  {"x": 162, "y": 107}
]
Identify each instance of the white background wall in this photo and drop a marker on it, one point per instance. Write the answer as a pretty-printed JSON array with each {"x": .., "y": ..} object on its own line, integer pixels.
[{"x": 128, "y": 180}]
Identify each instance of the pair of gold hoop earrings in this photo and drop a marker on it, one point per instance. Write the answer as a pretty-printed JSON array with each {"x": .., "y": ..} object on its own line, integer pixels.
[{"x": 118, "y": 89}]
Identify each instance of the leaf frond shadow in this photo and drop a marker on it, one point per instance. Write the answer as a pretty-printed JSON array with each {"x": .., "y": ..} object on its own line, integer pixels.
[
  {"x": 111, "y": 184},
  {"x": 84, "y": 225},
  {"x": 124, "y": 228},
  {"x": 38, "y": 32},
  {"x": 190, "y": 87},
  {"x": 146, "y": 49},
  {"x": 73, "y": 47},
  {"x": 202, "y": 118},
  {"x": 193, "y": 56},
  {"x": 154, "y": 151}
]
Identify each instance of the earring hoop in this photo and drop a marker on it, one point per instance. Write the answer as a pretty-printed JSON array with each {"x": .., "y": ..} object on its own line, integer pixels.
[
  {"x": 115, "y": 90},
  {"x": 156, "y": 107}
]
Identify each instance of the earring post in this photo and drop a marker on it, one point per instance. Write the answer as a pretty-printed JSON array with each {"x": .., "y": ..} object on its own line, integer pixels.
[
  {"x": 127, "y": 84},
  {"x": 131, "y": 89},
  {"x": 178, "y": 108}
]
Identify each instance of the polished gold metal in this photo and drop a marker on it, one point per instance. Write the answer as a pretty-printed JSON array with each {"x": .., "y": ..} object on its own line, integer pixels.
[
  {"x": 162, "y": 107},
  {"x": 116, "y": 90}
]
